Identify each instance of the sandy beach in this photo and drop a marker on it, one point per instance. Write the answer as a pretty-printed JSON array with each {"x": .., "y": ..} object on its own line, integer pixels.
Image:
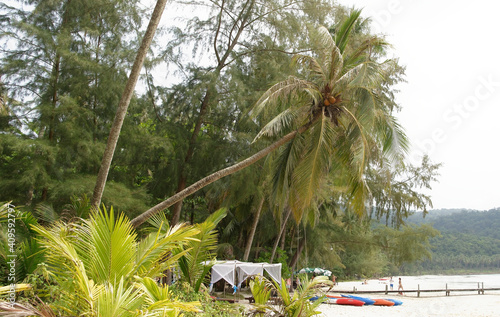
[{"x": 428, "y": 304}]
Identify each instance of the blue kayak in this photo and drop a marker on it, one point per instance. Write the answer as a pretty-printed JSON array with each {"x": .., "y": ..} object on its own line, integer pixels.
[
  {"x": 395, "y": 301},
  {"x": 366, "y": 300}
]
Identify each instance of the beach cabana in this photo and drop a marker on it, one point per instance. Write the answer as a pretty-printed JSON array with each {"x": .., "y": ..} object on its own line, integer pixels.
[{"x": 235, "y": 272}]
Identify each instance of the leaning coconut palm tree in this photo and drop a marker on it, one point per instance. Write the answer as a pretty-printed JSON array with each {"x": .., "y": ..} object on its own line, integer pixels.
[
  {"x": 337, "y": 94},
  {"x": 326, "y": 118}
]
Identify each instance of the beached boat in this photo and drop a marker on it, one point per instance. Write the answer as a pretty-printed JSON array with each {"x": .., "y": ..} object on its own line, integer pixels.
[
  {"x": 383, "y": 302},
  {"x": 395, "y": 301},
  {"x": 366, "y": 300},
  {"x": 345, "y": 301}
]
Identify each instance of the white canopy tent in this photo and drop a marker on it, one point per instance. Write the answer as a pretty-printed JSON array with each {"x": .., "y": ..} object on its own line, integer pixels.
[{"x": 235, "y": 272}]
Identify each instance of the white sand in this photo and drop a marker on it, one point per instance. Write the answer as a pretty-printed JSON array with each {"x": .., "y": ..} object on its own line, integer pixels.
[{"x": 428, "y": 304}]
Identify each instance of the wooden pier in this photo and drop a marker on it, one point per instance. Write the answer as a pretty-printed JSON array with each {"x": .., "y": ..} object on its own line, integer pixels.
[{"x": 480, "y": 290}]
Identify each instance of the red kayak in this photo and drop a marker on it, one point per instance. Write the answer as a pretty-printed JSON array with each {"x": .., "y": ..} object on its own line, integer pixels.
[{"x": 345, "y": 301}]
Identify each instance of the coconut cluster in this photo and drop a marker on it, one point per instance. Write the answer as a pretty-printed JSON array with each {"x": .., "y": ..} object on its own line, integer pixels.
[{"x": 329, "y": 100}]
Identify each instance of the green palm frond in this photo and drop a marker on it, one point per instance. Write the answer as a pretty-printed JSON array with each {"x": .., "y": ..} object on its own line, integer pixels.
[
  {"x": 285, "y": 164},
  {"x": 153, "y": 254},
  {"x": 312, "y": 65},
  {"x": 324, "y": 46},
  {"x": 336, "y": 65},
  {"x": 361, "y": 148},
  {"x": 313, "y": 166},
  {"x": 343, "y": 33},
  {"x": 297, "y": 305},
  {"x": 330, "y": 56},
  {"x": 158, "y": 222},
  {"x": 395, "y": 141},
  {"x": 31, "y": 253},
  {"x": 361, "y": 52},
  {"x": 112, "y": 249},
  {"x": 370, "y": 76},
  {"x": 160, "y": 300},
  {"x": 284, "y": 91},
  {"x": 67, "y": 268},
  {"x": 201, "y": 250},
  {"x": 119, "y": 300},
  {"x": 359, "y": 193},
  {"x": 60, "y": 253},
  {"x": 282, "y": 122},
  {"x": 345, "y": 80}
]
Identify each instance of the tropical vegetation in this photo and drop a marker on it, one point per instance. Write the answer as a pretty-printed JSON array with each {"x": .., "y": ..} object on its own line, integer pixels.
[{"x": 288, "y": 107}]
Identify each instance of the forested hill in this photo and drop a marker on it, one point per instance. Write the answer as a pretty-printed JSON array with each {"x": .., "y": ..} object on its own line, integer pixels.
[
  {"x": 480, "y": 223},
  {"x": 469, "y": 241}
]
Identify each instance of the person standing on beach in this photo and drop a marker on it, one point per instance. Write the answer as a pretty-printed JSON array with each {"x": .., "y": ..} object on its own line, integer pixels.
[
  {"x": 400, "y": 287},
  {"x": 391, "y": 282}
]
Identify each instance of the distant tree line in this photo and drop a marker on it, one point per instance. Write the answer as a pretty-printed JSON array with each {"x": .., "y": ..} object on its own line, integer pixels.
[{"x": 469, "y": 242}]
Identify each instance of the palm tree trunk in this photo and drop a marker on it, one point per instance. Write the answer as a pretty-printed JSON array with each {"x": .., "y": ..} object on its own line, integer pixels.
[
  {"x": 299, "y": 250},
  {"x": 124, "y": 103},
  {"x": 282, "y": 230},
  {"x": 137, "y": 221},
  {"x": 282, "y": 244},
  {"x": 252, "y": 230}
]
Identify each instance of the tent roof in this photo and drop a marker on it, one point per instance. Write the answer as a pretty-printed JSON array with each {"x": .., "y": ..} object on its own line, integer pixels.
[{"x": 235, "y": 272}]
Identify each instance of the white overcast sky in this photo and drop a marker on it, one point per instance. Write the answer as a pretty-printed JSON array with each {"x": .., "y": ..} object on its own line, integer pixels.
[{"x": 451, "y": 102}]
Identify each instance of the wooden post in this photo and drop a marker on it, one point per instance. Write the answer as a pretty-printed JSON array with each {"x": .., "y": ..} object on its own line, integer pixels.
[
  {"x": 482, "y": 288},
  {"x": 478, "y": 289},
  {"x": 447, "y": 291},
  {"x": 418, "y": 292},
  {"x": 386, "y": 289}
]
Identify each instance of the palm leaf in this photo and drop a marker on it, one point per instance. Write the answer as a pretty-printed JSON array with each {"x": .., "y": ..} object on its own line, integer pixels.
[
  {"x": 361, "y": 148},
  {"x": 113, "y": 246},
  {"x": 361, "y": 52},
  {"x": 342, "y": 36},
  {"x": 281, "y": 122},
  {"x": 285, "y": 164},
  {"x": 311, "y": 65},
  {"x": 312, "y": 167},
  {"x": 119, "y": 300},
  {"x": 154, "y": 252},
  {"x": 330, "y": 56},
  {"x": 324, "y": 45},
  {"x": 201, "y": 250},
  {"x": 282, "y": 92},
  {"x": 160, "y": 299}
]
